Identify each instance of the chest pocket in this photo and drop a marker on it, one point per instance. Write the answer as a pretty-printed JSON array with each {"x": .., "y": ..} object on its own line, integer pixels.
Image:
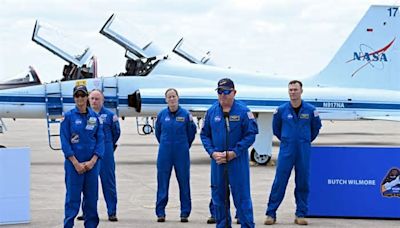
[
  {"x": 107, "y": 125},
  {"x": 305, "y": 126},
  {"x": 78, "y": 125},
  {"x": 235, "y": 126},
  {"x": 91, "y": 123},
  {"x": 235, "y": 123},
  {"x": 180, "y": 125},
  {"x": 216, "y": 123},
  {"x": 304, "y": 119}
]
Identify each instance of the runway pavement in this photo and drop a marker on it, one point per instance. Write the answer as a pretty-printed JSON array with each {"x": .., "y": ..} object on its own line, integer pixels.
[{"x": 136, "y": 177}]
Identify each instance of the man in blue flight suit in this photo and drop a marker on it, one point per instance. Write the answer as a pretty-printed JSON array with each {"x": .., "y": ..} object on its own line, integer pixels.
[
  {"x": 211, "y": 219},
  {"x": 107, "y": 166},
  {"x": 82, "y": 142},
  {"x": 296, "y": 124},
  {"x": 175, "y": 131},
  {"x": 234, "y": 155}
]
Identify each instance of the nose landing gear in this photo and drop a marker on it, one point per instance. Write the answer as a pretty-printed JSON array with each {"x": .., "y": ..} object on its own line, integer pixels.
[{"x": 261, "y": 159}]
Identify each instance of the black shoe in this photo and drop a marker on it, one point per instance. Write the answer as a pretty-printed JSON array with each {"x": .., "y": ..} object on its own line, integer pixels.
[
  {"x": 211, "y": 220},
  {"x": 80, "y": 218},
  {"x": 161, "y": 219},
  {"x": 184, "y": 219},
  {"x": 113, "y": 218}
]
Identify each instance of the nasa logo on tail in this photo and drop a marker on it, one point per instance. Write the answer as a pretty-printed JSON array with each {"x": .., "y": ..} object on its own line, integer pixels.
[{"x": 369, "y": 56}]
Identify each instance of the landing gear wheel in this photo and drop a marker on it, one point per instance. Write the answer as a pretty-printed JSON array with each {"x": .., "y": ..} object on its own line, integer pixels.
[
  {"x": 1, "y": 146},
  {"x": 147, "y": 129},
  {"x": 260, "y": 159}
]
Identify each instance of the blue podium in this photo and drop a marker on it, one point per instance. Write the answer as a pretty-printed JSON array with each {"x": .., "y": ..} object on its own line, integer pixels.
[
  {"x": 14, "y": 185},
  {"x": 354, "y": 182}
]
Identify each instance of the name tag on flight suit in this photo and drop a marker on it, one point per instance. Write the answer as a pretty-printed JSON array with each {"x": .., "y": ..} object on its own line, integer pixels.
[
  {"x": 91, "y": 123},
  {"x": 180, "y": 119},
  {"x": 304, "y": 116},
  {"x": 103, "y": 118},
  {"x": 234, "y": 118}
]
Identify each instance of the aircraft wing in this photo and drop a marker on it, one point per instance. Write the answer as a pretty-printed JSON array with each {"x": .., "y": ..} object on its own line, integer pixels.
[{"x": 388, "y": 118}]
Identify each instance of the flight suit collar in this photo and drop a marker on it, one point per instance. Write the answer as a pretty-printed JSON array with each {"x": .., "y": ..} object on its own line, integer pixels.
[
  {"x": 230, "y": 111},
  {"x": 300, "y": 111},
  {"x": 76, "y": 110},
  {"x": 177, "y": 111}
]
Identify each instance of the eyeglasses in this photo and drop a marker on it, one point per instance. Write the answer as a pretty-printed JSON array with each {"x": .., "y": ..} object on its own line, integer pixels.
[
  {"x": 80, "y": 95},
  {"x": 225, "y": 92}
]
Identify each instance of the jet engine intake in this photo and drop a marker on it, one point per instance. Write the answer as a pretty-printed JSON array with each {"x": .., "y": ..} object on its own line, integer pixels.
[{"x": 135, "y": 101}]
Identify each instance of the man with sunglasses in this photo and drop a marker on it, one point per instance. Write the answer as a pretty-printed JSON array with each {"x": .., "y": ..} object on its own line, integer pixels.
[
  {"x": 229, "y": 151},
  {"x": 82, "y": 142}
]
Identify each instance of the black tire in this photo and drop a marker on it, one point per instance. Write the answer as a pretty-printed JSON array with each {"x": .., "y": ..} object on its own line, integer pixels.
[
  {"x": 147, "y": 129},
  {"x": 1, "y": 146},
  {"x": 260, "y": 159}
]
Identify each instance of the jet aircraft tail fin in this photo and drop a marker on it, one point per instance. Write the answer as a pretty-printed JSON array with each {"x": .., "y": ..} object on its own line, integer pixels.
[{"x": 370, "y": 57}]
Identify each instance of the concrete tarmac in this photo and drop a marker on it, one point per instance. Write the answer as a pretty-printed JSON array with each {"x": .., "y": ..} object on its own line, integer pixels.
[{"x": 136, "y": 177}]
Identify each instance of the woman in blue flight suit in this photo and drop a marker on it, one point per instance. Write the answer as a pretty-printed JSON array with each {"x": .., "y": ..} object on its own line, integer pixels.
[
  {"x": 175, "y": 131},
  {"x": 82, "y": 142},
  {"x": 112, "y": 133}
]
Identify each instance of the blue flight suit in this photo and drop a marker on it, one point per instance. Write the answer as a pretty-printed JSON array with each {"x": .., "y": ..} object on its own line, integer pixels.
[
  {"x": 211, "y": 208},
  {"x": 107, "y": 166},
  {"x": 175, "y": 132},
  {"x": 243, "y": 130},
  {"x": 81, "y": 136},
  {"x": 296, "y": 132}
]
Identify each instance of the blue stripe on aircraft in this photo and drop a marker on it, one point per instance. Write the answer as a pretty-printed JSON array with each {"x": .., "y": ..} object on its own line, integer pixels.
[
  {"x": 273, "y": 103},
  {"x": 209, "y": 101}
]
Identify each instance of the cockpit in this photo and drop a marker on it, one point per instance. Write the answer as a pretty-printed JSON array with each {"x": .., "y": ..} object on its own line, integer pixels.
[
  {"x": 192, "y": 54},
  {"x": 141, "y": 54},
  {"x": 81, "y": 62},
  {"x": 26, "y": 78}
]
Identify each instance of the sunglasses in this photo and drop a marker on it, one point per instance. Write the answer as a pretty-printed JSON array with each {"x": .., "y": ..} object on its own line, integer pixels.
[
  {"x": 80, "y": 95},
  {"x": 225, "y": 92}
]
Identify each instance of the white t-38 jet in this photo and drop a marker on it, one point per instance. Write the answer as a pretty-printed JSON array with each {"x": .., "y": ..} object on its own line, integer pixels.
[{"x": 361, "y": 82}]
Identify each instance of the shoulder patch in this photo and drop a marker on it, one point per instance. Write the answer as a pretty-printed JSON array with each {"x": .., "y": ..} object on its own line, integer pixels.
[
  {"x": 316, "y": 113},
  {"x": 190, "y": 117},
  {"x": 275, "y": 111},
  {"x": 250, "y": 115},
  {"x": 115, "y": 118}
]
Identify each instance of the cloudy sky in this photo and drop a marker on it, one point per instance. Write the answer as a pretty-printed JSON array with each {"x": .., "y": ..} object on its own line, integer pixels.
[{"x": 275, "y": 37}]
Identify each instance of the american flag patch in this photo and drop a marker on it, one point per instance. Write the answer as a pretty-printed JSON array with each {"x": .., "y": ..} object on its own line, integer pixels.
[
  {"x": 316, "y": 113},
  {"x": 250, "y": 115}
]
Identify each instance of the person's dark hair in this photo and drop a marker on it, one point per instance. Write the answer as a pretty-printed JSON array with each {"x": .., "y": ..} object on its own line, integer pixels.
[
  {"x": 296, "y": 81},
  {"x": 170, "y": 90}
]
